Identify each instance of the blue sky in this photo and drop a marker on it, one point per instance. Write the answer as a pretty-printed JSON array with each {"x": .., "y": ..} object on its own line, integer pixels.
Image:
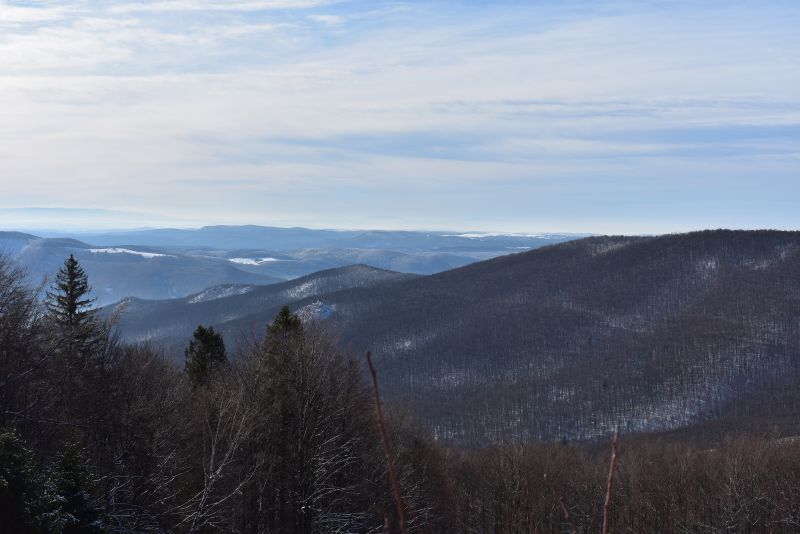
[{"x": 620, "y": 116}]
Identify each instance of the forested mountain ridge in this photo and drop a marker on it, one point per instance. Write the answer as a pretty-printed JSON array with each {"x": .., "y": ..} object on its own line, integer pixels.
[
  {"x": 170, "y": 320},
  {"x": 579, "y": 338},
  {"x": 572, "y": 340}
]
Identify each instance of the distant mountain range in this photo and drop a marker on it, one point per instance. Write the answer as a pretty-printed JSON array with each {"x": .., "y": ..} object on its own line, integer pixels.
[
  {"x": 290, "y": 239},
  {"x": 117, "y": 272},
  {"x": 167, "y": 263},
  {"x": 565, "y": 342}
]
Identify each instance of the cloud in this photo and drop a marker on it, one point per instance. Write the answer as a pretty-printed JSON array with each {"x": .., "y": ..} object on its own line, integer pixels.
[
  {"x": 204, "y": 5},
  {"x": 10, "y": 13},
  {"x": 362, "y": 108},
  {"x": 331, "y": 20}
]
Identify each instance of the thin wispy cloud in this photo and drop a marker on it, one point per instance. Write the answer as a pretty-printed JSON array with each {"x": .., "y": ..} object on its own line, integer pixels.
[
  {"x": 203, "y": 5},
  {"x": 431, "y": 114}
]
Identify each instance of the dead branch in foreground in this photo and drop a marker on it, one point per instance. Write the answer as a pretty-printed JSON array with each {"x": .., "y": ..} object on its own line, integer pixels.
[
  {"x": 386, "y": 449},
  {"x": 610, "y": 486}
]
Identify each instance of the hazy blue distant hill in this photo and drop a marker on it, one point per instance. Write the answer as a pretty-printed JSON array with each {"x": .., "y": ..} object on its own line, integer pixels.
[
  {"x": 222, "y": 237},
  {"x": 291, "y": 264},
  {"x": 11, "y": 243},
  {"x": 119, "y": 272},
  {"x": 172, "y": 263},
  {"x": 282, "y": 239},
  {"x": 220, "y": 254}
]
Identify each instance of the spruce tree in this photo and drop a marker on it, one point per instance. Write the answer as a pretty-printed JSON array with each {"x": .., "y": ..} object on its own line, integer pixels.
[
  {"x": 206, "y": 351},
  {"x": 68, "y": 303},
  {"x": 70, "y": 308}
]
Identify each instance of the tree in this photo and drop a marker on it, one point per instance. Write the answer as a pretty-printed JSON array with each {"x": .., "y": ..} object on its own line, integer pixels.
[
  {"x": 22, "y": 351},
  {"x": 28, "y": 502},
  {"x": 285, "y": 328},
  {"x": 82, "y": 347},
  {"x": 68, "y": 303},
  {"x": 311, "y": 437},
  {"x": 72, "y": 481},
  {"x": 206, "y": 351}
]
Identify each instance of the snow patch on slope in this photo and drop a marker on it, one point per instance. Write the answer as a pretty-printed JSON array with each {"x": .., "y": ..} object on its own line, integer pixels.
[
  {"x": 220, "y": 292},
  {"x": 303, "y": 290},
  {"x": 129, "y": 251},
  {"x": 252, "y": 261},
  {"x": 317, "y": 310}
]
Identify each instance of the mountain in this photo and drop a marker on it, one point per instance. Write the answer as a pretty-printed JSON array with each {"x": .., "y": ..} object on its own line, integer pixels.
[
  {"x": 121, "y": 271},
  {"x": 285, "y": 239},
  {"x": 291, "y": 264},
  {"x": 172, "y": 321},
  {"x": 12, "y": 243},
  {"x": 572, "y": 340},
  {"x": 172, "y": 263}
]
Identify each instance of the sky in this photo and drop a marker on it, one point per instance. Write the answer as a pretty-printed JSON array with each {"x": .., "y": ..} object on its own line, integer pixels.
[{"x": 561, "y": 116}]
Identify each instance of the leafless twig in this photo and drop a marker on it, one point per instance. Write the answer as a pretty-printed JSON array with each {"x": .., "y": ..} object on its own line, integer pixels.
[{"x": 564, "y": 510}]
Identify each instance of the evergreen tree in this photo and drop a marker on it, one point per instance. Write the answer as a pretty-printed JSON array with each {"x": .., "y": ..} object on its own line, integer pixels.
[
  {"x": 28, "y": 502},
  {"x": 78, "y": 369},
  {"x": 68, "y": 304},
  {"x": 206, "y": 351},
  {"x": 285, "y": 328},
  {"x": 72, "y": 481}
]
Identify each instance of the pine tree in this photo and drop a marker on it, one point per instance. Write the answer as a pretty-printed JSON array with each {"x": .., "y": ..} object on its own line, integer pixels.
[
  {"x": 68, "y": 303},
  {"x": 206, "y": 351}
]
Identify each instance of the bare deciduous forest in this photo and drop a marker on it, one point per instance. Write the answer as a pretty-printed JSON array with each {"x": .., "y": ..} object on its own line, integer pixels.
[
  {"x": 280, "y": 435},
  {"x": 566, "y": 342}
]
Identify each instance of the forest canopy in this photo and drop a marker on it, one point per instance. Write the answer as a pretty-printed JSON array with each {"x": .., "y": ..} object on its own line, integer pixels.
[{"x": 102, "y": 436}]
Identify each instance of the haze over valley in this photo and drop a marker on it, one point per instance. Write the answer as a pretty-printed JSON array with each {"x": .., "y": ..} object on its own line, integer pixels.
[{"x": 171, "y": 263}]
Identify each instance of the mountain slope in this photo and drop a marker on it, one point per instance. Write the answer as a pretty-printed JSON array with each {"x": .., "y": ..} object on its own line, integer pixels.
[
  {"x": 172, "y": 321},
  {"x": 572, "y": 340}
]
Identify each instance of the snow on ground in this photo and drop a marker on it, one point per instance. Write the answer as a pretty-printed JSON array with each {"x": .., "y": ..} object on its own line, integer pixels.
[
  {"x": 303, "y": 290},
  {"x": 128, "y": 251},
  {"x": 317, "y": 310},
  {"x": 252, "y": 261},
  {"x": 219, "y": 292}
]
